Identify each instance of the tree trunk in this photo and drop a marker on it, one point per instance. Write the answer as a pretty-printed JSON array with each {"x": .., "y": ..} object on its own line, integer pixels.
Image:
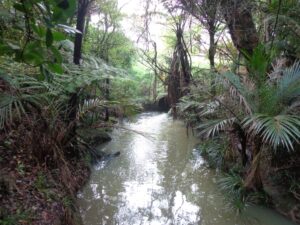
[
  {"x": 253, "y": 179},
  {"x": 154, "y": 88},
  {"x": 243, "y": 141},
  {"x": 237, "y": 14},
  {"x": 107, "y": 93},
  {"x": 184, "y": 63},
  {"x": 74, "y": 99},
  {"x": 174, "y": 84},
  {"x": 81, "y": 12},
  {"x": 154, "y": 91},
  {"x": 180, "y": 73},
  {"x": 211, "y": 57}
]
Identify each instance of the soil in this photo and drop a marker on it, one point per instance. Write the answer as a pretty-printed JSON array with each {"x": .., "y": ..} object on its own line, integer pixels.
[{"x": 34, "y": 194}]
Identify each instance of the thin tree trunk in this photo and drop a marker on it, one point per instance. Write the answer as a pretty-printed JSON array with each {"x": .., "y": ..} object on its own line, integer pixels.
[
  {"x": 74, "y": 99},
  {"x": 243, "y": 140},
  {"x": 107, "y": 85},
  {"x": 107, "y": 93},
  {"x": 81, "y": 12},
  {"x": 253, "y": 179},
  {"x": 154, "y": 91},
  {"x": 211, "y": 56}
]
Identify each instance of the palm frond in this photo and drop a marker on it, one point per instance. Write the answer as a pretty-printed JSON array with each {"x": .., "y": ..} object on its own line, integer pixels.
[
  {"x": 209, "y": 108},
  {"x": 287, "y": 21},
  {"x": 240, "y": 91},
  {"x": 187, "y": 104},
  {"x": 289, "y": 84},
  {"x": 280, "y": 130},
  {"x": 211, "y": 128}
]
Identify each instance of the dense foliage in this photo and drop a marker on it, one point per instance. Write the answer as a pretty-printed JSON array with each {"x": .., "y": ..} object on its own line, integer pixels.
[{"x": 69, "y": 69}]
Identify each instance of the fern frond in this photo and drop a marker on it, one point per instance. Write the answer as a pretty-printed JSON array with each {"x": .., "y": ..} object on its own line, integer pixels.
[{"x": 91, "y": 105}]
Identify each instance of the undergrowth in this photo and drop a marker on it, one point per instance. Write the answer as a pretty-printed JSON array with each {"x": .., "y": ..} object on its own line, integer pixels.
[{"x": 231, "y": 175}]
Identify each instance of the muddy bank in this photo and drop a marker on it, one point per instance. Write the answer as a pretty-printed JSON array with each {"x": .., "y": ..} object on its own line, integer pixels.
[
  {"x": 34, "y": 194},
  {"x": 43, "y": 193}
]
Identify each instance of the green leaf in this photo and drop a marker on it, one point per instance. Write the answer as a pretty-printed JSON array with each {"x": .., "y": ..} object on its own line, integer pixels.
[
  {"x": 41, "y": 75},
  {"x": 280, "y": 130},
  {"x": 58, "y": 36},
  {"x": 19, "y": 7},
  {"x": 55, "y": 68},
  {"x": 49, "y": 38},
  {"x": 33, "y": 53},
  {"x": 5, "y": 49},
  {"x": 39, "y": 30},
  {"x": 64, "y": 10},
  {"x": 45, "y": 74},
  {"x": 57, "y": 55}
]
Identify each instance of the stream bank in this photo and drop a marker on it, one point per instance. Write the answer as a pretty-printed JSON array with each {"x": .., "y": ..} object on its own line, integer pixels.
[{"x": 42, "y": 193}]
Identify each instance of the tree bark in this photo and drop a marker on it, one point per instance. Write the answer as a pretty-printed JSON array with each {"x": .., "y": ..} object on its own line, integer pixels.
[
  {"x": 106, "y": 94},
  {"x": 211, "y": 57},
  {"x": 174, "y": 85},
  {"x": 237, "y": 14},
  {"x": 74, "y": 99},
  {"x": 253, "y": 179},
  {"x": 154, "y": 91},
  {"x": 180, "y": 73},
  {"x": 81, "y": 13}
]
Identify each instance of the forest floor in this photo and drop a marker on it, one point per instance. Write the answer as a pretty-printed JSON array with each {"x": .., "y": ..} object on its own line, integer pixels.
[{"x": 33, "y": 194}]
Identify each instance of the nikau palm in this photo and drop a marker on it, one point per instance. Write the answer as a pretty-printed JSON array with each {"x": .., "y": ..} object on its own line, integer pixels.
[{"x": 265, "y": 116}]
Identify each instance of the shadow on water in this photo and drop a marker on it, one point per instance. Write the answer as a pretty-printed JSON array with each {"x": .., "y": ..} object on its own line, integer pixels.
[{"x": 159, "y": 180}]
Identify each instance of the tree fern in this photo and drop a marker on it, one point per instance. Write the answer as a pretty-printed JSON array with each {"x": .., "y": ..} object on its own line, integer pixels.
[{"x": 22, "y": 91}]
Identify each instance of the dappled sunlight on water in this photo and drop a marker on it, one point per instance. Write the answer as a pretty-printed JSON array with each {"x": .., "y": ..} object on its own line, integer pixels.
[{"x": 159, "y": 178}]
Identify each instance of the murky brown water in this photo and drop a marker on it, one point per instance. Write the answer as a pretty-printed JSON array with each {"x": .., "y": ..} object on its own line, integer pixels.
[{"x": 159, "y": 180}]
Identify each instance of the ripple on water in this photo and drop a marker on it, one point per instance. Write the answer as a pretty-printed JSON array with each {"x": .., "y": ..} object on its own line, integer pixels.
[{"x": 159, "y": 178}]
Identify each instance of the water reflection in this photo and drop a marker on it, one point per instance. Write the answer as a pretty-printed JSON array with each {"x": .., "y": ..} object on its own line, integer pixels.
[{"x": 158, "y": 180}]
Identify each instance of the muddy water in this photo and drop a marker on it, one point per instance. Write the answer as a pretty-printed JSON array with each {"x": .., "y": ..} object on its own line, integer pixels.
[{"x": 159, "y": 178}]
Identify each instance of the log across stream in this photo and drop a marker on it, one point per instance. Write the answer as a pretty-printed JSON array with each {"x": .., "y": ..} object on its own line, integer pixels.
[{"x": 159, "y": 178}]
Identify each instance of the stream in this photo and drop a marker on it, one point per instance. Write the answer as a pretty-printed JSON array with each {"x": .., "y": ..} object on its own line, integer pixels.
[{"x": 159, "y": 178}]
